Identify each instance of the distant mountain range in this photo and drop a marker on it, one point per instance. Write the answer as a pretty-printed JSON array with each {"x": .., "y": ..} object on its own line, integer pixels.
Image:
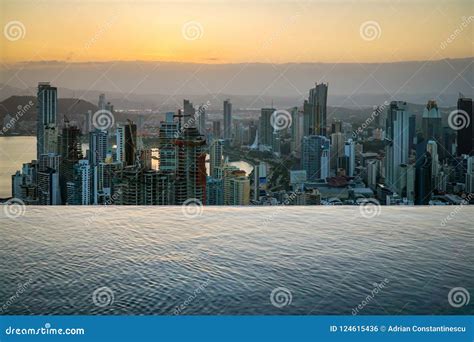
[
  {"x": 75, "y": 111},
  {"x": 162, "y": 85}
]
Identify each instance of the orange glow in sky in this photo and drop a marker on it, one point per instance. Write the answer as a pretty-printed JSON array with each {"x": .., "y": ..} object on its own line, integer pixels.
[{"x": 236, "y": 31}]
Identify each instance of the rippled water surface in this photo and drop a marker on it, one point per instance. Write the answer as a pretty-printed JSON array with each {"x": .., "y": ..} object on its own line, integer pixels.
[{"x": 229, "y": 260}]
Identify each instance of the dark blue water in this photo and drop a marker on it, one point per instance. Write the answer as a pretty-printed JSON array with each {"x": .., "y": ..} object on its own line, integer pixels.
[{"x": 315, "y": 260}]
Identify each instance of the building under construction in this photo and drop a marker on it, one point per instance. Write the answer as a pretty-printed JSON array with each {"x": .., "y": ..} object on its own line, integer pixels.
[{"x": 190, "y": 163}]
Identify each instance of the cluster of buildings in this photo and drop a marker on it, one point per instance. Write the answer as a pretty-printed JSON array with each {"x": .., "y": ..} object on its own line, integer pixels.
[
  {"x": 117, "y": 167},
  {"x": 408, "y": 159}
]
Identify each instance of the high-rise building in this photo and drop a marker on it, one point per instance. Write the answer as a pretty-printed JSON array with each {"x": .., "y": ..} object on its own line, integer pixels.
[
  {"x": 260, "y": 181},
  {"x": 215, "y": 156},
  {"x": 201, "y": 120},
  {"x": 373, "y": 171},
  {"x": 191, "y": 165},
  {"x": 214, "y": 191},
  {"x": 397, "y": 143},
  {"x": 79, "y": 190},
  {"x": 216, "y": 129},
  {"x": 49, "y": 192},
  {"x": 265, "y": 133},
  {"x": 71, "y": 153},
  {"x": 470, "y": 175},
  {"x": 349, "y": 154},
  {"x": 432, "y": 126},
  {"x": 46, "y": 134},
  {"x": 127, "y": 143},
  {"x": 98, "y": 146},
  {"x": 432, "y": 149},
  {"x": 167, "y": 134},
  {"x": 337, "y": 149},
  {"x": 315, "y": 154},
  {"x": 466, "y": 134},
  {"x": 315, "y": 111},
  {"x": 227, "y": 120}
]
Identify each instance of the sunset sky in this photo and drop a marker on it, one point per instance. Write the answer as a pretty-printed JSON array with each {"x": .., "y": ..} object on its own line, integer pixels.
[{"x": 236, "y": 31}]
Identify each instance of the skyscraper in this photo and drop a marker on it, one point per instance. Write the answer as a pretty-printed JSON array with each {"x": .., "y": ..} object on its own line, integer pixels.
[
  {"x": 227, "y": 120},
  {"x": 315, "y": 154},
  {"x": 215, "y": 152},
  {"x": 167, "y": 134},
  {"x": 466, "y": 134},
  {"x": 315, "y": 111},
  {"x": 431, "y": 122},
  {"x": 201, "y": 120},
  {"x": 191, "y": 165},
  {"x": 265, "y": 132},
  {"x": 127, "y": 143},
  {"x": 98, "y": 145},
  {"x": 397, "y": 143},
  {"x": 46, "y": 134}
]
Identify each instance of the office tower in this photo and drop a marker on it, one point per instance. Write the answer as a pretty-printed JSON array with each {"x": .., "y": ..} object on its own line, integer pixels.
[
  {"x": 216, "y": 129},
  {"x": 201, "y": 120},
  {"x": 265, "y": 133},
  {"x": 214, "y": 191},
  {"x": 470, "y": 175},
  {"x": 71, "y": 153},
  {"x": 349, "y": 154},
  {"x": 397, "y": 143},
  {"x": 46, "y": 134},
  {"x": 423, "y": 180},
  {"x": 130, "y": 186},
  {"x": 50, "y": 160},
  {"x": 239, "y": 190},
  {"x": 79, "y": 189},
  {"x": 236, "y": 186},
  {"x": 431, "y": 122},
  {"x": 191, "y": 166},
  {"x": 227, "y": 120},
  {"x": 215, "y": 156},
  {"x": 107, "y": 172},
  {"x": 259, "y": 181},
  {"x": 49, "y": 192},
  {"x": 337, "y": 149},
  {"x": 411, "y": 132},
  {"x": 466, "y": 134},
  {"x": 102, "y": 101},
  {"x": 167, "y": 134},
  {"x": 432, "y": 149},
  {"x": 407, "y": 182},
  {"x": 276, "y": 143},
  {"x": 127, "y": 143},
  {"x": 373, "y": 171},
  {"x": 24, "y": 183},
  {"x": 98, "y": 146},
  {"x": 449, "y": 143},
  {"x": 315, "y": 154},
  {"x": 315, "y": 111},
  {"x": 253, "y": 129}
]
